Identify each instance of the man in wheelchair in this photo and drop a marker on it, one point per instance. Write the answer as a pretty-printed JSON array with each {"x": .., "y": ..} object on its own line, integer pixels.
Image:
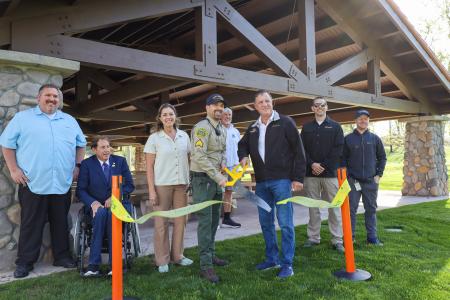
[{"x": 94, "y": 190}]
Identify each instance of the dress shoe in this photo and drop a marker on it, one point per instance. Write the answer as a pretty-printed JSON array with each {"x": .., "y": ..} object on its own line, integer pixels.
[{"x": 22, "y": 271}]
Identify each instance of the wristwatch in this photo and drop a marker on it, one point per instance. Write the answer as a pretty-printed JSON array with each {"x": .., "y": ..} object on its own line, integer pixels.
[{"x": 77, "y": 165}]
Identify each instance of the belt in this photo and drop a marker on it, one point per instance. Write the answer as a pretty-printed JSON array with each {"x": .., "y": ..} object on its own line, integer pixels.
[{"x": 199, "y": 174}]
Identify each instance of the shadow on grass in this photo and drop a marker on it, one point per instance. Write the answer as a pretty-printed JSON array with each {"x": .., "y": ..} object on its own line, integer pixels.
[{"x": 413, "y": 264}]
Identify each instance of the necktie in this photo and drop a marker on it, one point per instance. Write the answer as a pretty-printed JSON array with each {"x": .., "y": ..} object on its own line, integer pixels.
[{"x": 106, "y": 170}]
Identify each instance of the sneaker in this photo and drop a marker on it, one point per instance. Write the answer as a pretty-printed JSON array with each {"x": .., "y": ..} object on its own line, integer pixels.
[
  {"x": 22, "y": 271},
  {"x": 286, "y": 271},
  {"x": 109, "y": 273},
  {"x": 229, "y": 223},
  {"x": 92, "y": 271},
  {"x": 219, "y": 262},
  {"x": 310, "y": 244},
  {"x": 163, "y": 269},
  {"x": 185, "y": 262},
  {"x": 375, "y": 242},
  {"x": 339, "y": 247},
  {"x": 267, "y": 266},
  {"x": 210, "y": 275}
]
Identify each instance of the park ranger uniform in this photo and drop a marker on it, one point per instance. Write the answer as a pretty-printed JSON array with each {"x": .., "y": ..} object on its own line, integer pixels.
[{"x": 207, "y": 159}]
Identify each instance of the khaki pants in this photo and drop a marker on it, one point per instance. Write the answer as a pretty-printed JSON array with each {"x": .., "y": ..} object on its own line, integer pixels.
[
  {"x": 170, "y": 197},
  {"x": 324, "y": 189}
]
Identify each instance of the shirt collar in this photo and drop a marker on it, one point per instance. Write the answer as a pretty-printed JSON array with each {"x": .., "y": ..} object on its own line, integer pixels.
[
  {"x": 162, "y": 133},
  {"x": 355, "y": 131},
  {"x": 58, "y": 115},
  {"x": 101, "y": 162},
  {"x": 214, "y": 123},
  {"x": 325, "y": 121},
  {"x": 274, "y": 117}
]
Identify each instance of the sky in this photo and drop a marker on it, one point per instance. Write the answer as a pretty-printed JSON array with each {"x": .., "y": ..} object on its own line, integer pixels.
[{"x": 419, "y": 11}]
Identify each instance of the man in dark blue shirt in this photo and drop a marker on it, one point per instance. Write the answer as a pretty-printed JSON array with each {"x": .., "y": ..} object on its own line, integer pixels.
[
  {"x": 365, "y": 159},
  {"x": 323, "y": 140}
]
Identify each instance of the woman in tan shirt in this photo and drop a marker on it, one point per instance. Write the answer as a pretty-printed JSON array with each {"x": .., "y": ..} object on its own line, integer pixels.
[{"x": 167, "y": 155}]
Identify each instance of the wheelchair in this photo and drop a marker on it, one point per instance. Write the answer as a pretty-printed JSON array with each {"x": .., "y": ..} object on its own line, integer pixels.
[{"x": 131, "y": 244}]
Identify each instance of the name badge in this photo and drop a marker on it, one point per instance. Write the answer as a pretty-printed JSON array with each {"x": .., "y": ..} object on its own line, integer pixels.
[{"x": 357, "y": 186}]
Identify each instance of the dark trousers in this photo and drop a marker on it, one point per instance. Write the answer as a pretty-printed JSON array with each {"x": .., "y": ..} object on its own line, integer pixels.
[
  {"x": 369, "y": 194},
  {"x": 35, "y": 211},
  {"x": 101, "y": 226},
  {"x": 203, "y": 189}
]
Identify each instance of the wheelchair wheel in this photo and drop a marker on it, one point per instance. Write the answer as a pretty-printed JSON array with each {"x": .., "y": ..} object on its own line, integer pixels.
[
  {"x": 79, "y": 241},
  {"x": 135, "y": 235},
  {"x": 126, "y": 245}
]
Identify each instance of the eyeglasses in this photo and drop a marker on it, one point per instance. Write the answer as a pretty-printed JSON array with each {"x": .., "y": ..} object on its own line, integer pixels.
[{"x": 320, "y": 105}]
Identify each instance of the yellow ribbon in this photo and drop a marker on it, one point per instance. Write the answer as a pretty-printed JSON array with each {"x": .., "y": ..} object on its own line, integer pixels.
[
  {"x": 236, "y": 173},
  {"x": 338, "y": 199},
  {"x": 122, "y": 214}
]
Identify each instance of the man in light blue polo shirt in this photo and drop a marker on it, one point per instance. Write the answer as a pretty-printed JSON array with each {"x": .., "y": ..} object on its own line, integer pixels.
[{"x": 43, "y": 148}]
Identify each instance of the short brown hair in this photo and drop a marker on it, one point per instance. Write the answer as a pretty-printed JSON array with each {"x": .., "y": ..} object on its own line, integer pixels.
[
  {"x": 317, "y": 98},
  {"x": 98, "y": 138}
]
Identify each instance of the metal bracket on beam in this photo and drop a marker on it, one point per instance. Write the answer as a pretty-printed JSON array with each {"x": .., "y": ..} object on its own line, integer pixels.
[
  {"x": 377, "y": 100},
  {"x": 55, "y": 48},
  {"x": 292, "y": 85},
  {"x": 224, "y": 11},
  {"x": 293, "y": 72},
  {"x": 203, "y": 71},
  {"x": 64, "y": 23}
]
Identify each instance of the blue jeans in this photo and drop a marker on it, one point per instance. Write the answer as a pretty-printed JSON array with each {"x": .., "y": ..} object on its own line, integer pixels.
[
  {"x": 273, "y": 191},
  {"x": 101, "y": 225}
]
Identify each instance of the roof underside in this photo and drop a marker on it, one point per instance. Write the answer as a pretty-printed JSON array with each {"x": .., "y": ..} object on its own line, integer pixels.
[{"x": 174, "y": 35}]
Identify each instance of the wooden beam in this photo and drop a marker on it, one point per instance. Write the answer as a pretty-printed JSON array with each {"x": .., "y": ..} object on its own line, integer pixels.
[
  {"x": 132, "y": 60},
  {"x": 252, "y": 38},
  {"x": 306, "y": 37},
  {"x": 345, "y": 67},
  {"x": 101, "y": 79},
  {"x": 11, "y": 7},
  {"x": 81, "y": 87},
  {"x": 417, "y": 44},
  {"x": 5, "y": 32},
  {"x": 373, "y": 76},
  {"x": 358, "y": 31},
  {"x": 90, "y": 15},
  {"x": 129, "y": 92}
]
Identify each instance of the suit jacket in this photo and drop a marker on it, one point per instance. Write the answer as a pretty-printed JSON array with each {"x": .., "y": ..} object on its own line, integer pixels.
[{"x": 92, "y": 184}]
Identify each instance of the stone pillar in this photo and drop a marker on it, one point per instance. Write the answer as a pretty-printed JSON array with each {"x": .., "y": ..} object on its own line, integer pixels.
[
  {"x": 424, "y": 169},
  {"x": 21, "y": 75},
  {"x": 139, "y": 159}
]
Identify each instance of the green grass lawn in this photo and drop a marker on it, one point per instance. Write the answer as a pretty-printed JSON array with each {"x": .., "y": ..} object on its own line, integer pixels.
[
  {"x": 393, "y": 174},
  {"x": 413, "y": 264}
]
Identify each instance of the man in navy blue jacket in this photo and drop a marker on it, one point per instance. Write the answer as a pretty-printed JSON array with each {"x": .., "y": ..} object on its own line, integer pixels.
[
  {"x": 365, "y": 159},
  {"x": 94, "y": 190}
]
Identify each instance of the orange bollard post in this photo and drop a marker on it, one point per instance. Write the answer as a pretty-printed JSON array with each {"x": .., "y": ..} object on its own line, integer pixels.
[
  {"x": 117, "y": 276},
  {"x": 350, "y": 272}
]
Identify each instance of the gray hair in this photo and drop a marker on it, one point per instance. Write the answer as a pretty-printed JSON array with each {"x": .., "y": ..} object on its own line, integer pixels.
[
  {"x": 262, "y": 93},
  {"x": 227, "y": 110}
]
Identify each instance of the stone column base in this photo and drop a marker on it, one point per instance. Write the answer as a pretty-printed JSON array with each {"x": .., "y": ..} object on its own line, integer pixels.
[{"x": 424, "y": 168}]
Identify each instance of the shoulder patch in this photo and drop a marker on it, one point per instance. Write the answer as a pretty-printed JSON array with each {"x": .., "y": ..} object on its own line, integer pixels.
[
  {"x": 199, "y": 143},
  {"x": 201, "y": 132}
]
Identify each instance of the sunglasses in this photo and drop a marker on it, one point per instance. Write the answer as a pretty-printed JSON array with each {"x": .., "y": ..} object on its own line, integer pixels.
[{"x": 320, "y": 105}]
